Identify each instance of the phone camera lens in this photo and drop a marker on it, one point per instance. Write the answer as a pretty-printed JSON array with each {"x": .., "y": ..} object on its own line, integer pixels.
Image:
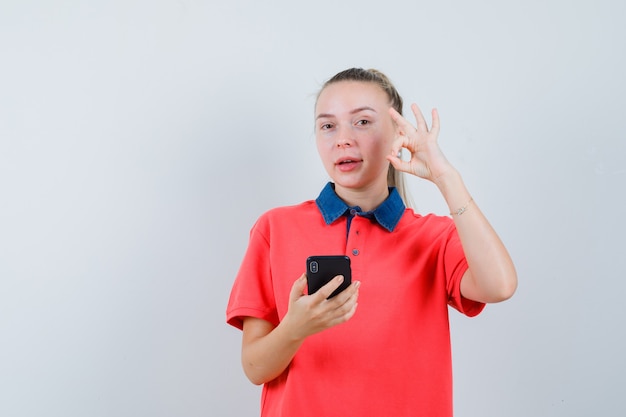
[{"x": 314, "y": 267}]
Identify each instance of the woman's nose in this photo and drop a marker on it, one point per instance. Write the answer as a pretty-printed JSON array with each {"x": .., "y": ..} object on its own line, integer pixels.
[
  {"x": 344, "y": 138},
  {"x": 343, "y": 143}
]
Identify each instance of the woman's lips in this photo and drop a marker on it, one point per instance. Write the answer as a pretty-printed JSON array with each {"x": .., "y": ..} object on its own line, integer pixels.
[{"x": 346, "y": 165}]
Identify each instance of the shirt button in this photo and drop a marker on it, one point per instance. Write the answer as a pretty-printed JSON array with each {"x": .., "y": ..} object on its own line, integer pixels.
[
  {"x": 355, "y": 252},
  {"x": 353, "y": 212}
]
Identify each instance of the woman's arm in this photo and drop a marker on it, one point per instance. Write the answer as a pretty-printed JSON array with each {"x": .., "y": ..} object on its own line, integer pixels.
[
  {"x": 491, "y": 276},
  {"x": 268, "y": 350}
]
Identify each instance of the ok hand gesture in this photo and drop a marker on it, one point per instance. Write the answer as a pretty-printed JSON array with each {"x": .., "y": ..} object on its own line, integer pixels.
[{"x": 427, "y": 161}]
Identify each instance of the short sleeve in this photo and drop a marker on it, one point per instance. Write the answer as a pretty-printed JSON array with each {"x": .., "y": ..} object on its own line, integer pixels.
[
  {"x": 252, "y": 293},
  {"x": 456, "y": 266}
]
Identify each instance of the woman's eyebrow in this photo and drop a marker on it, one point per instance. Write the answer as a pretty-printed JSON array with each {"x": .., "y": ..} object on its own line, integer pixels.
[
  {"x": 357, "y": 110},
  {"x": 323, "y": 115},
  {"x": 360, "y": 109}
]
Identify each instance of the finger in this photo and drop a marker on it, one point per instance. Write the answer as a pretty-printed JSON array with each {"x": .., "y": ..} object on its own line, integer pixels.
[
  {"x": 399, "y": 164},
  {"x": 350, "y": 293},
  {"x": 347, "y": 302},
  {"x": 400, "y": 141},
  {"x": 345, "y": 316},
  {"x": 350, "y": 313},
  {"x": 324, "y": 292},
  {"x": 402, "y": 123},
  {"x": 297, "y": 289},
  {"x": 435, "y": 125},
  {"x": 419, "y": 118}
]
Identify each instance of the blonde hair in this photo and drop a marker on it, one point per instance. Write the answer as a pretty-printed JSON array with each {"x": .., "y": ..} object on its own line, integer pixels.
[{"x": 395, "y": 178}]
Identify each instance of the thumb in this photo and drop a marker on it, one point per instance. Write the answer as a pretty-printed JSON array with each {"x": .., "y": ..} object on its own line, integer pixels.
[
  {"x": 297, "y": 289},
  {"x": 399, "y": 142},
  {"x": 399, "y": 164}
]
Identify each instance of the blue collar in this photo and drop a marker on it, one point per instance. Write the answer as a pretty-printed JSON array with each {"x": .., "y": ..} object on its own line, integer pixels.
[{"x": 388, "y": 214}]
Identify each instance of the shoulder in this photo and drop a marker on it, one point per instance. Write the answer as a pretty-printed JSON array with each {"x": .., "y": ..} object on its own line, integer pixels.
[
  {"x": 412, "y": 218},
  {"x": 431, "y": 224},
  {"x": 282, "y": 227},
  {"x": 286, "y": 212},
  {"x": 285, "y": 215}
]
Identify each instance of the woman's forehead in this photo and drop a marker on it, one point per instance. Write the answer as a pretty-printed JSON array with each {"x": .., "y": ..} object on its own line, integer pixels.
[{"x": 346, "y": 96}]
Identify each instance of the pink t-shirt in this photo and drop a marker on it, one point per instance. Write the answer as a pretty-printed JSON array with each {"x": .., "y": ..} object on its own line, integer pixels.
[{"x": 393, "y": 357}]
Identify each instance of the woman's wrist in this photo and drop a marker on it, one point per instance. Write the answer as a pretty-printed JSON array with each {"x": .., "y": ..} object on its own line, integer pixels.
[
  {"x": 288, "y": 332},
  {"x": 453, "y": 189}
]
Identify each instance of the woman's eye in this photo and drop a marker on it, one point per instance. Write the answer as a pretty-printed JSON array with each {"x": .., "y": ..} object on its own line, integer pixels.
[
  {"x": 362, "y": 122},
  {"x": 326, "y": 126}
]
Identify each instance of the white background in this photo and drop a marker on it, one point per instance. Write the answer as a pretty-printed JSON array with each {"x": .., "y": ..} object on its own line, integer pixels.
[{"x": 139, "y": 141}]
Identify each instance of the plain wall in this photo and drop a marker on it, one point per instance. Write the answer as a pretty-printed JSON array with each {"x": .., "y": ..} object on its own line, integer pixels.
[{"x": 140, "y": 140}]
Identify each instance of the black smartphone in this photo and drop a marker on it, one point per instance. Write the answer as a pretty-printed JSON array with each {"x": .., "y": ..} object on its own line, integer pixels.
[{"x": 321, "y": 269}]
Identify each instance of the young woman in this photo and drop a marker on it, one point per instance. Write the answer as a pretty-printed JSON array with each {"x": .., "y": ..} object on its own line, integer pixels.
[{"x": 382, "y": 346}]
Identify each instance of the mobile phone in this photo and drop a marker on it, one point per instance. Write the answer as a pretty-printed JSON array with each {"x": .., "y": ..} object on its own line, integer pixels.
[{"x": 321, "y": 269}]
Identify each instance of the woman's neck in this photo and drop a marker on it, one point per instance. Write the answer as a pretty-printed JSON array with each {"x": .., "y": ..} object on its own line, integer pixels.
[{"x": 368, "y": 199}]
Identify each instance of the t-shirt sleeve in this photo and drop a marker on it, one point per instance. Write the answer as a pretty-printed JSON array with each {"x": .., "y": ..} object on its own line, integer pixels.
[
  {"x": 456, "y": 266},
  {"x": 252, "y": 294}
]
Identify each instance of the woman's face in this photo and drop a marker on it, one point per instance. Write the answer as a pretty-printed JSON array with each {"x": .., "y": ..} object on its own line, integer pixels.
[{"x": 354, "y": 134}]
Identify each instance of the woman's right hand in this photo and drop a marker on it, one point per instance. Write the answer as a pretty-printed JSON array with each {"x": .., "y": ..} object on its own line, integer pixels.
[
  {"x": 310, "y": 314},
  {"x": 268, "y": 350}
]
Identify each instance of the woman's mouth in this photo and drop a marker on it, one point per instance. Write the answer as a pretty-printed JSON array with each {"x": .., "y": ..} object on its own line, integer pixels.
[{"x": 346, "y": 165}]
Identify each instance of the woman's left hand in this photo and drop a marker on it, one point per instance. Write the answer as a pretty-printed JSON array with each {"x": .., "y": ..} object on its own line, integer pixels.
[{"x": 427, "y": 161}]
